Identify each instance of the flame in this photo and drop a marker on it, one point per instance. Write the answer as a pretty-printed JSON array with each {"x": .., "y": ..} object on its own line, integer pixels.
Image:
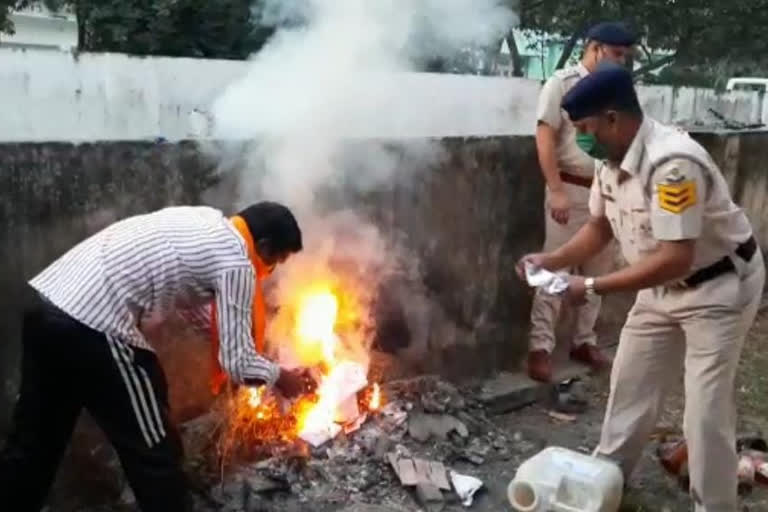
[
  {"x": 320, "y": 312},
  {"x": 254, "y": 396},
  {"x": 315, "y": 324},
  {"x": 322, "y": 415},
  {"x": 375, "y": 402}
]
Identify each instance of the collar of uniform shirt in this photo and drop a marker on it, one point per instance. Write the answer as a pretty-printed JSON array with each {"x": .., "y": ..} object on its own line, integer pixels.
[
  {"x": 582, "y": 70},
  {"x": 634, "y": 156}
]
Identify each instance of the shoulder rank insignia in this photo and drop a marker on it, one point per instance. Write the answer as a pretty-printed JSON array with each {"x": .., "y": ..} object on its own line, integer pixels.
[{"x": 677, "y": 194}]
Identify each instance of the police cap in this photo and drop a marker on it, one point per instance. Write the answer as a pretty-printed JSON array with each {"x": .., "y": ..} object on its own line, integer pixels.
[
  {"x": 611, "y": 32},
  {"x": 608, "y": 87}
]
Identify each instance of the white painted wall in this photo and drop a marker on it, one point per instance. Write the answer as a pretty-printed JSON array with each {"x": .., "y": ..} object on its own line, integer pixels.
[{"x": 58, "y": 96}]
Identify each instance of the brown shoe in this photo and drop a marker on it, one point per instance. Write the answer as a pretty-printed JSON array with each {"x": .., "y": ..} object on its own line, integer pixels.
[
  {"x": 591, "y": 356},
  {"x": 540, "y": 365}
]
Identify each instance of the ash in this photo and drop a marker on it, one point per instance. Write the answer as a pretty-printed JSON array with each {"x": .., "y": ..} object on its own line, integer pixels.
[{"x": 424, "y": 423}]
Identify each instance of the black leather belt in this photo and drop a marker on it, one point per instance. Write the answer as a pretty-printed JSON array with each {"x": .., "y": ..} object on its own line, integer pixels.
[
  {"x": 573, "y": 179},
  {"x": 745, "y": 251}
]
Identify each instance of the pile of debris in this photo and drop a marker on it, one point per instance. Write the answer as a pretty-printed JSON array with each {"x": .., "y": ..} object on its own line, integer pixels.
[{"x": 402, "y": 457}]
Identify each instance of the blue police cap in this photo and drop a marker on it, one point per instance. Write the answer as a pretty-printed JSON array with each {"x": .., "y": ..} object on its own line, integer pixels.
[
  {"x": 611, "y": 32},
  {"x": 608, "y": 87}
]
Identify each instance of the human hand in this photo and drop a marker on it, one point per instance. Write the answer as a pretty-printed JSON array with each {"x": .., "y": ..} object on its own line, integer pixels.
[
  {"x": 559, "y": 206},
  {"x": 293, "y": 383},
  {"x": 538, "y": 260},
  {"x": 576, "y": 293}
]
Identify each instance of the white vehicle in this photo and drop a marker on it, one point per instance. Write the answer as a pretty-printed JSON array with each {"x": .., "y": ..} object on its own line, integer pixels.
[{"x": 748, "y": 84}]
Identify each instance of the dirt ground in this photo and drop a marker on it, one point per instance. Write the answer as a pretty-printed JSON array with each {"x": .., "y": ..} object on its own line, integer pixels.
[
  {"x": 650, "y": 489},
  {"x": 532, "y": 428}
]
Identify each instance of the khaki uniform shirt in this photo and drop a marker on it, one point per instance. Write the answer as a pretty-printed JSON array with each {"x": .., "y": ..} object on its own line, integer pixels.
[
  {"x": 667, "y": 188},
  {"x": 569, "y": 156}
]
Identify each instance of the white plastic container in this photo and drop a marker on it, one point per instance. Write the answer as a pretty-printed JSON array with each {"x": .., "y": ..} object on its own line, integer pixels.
[{"x": 561, "y": 480}]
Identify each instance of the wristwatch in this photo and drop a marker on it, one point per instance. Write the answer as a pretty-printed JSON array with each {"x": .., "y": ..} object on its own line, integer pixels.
[{"x": 589, "y": 284}]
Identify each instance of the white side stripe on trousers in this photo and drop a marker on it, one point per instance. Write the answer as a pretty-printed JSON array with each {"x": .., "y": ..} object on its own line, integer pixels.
[{"x": 142, "y": 398}]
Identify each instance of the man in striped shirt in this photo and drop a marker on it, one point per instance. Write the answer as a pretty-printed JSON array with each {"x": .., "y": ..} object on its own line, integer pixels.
[{"x": 83, "y": 346}]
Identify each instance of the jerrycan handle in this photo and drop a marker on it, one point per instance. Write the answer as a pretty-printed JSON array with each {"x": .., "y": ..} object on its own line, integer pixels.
[{"x": 559, "y": 506}]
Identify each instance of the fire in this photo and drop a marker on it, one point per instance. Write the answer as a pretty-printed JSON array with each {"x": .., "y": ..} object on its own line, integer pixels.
[
  {"x": 254, "y": 396},
  {"x": 318, "y": 314},
  {"x": 315, "y": 326},
  {"x": 322, "y": 415},
  {"x": 316, "y": 322},
  {"x": 375, "y": 402}
]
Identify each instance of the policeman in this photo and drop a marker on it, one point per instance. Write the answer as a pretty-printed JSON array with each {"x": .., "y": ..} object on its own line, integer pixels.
[
  {"x": 568, "y": 171},
  {"x": 697, "y": 269}
]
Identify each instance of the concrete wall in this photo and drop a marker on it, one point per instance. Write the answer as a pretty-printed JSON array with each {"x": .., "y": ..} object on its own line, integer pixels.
[
  {"x": 53, "y": 195},
  {"x": 468, "y": 220},
  {"x": 743, "y": 158},
  {"x": 58, "y": 96}
]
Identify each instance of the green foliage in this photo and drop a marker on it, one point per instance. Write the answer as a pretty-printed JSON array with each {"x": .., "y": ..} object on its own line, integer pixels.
[
  {"x": 6, "y": 6},
  {"x": 179, "y": 28},
  {"x": 699, "y": 35},
  {"x": 190, "y": 28}
]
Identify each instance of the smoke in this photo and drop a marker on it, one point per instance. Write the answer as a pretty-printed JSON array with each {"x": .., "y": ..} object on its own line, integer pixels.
[{"x": 307, "y": 113}]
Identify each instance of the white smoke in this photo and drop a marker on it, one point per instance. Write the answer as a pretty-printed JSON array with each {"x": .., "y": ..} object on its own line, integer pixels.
[
  {"x": 332, "y": 77},
  {"x": 327, "y": 77}
]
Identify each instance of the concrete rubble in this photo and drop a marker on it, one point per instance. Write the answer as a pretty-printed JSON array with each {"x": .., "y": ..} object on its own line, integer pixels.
[
  {"x": 418, "y": 451},
  {"x": 430, "y": 447},
  {"x": 464, "y": 461}
]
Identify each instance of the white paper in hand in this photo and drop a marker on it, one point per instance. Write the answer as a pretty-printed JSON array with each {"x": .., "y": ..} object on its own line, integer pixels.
[{"x": 550, "y": 282}]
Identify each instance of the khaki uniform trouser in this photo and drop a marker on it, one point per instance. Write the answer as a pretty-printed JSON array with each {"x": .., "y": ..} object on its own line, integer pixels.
[
  {"x": 546, "y": 308},
  {"x": 701, "y": 330}
]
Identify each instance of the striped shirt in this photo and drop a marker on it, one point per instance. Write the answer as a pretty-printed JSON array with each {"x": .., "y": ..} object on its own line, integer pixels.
[{"x": 177, "y": 258}]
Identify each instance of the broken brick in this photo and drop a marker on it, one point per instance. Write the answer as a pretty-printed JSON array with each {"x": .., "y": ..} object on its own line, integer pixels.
[
  {"x": 509, "y": 392},
  {"x": 430, "y": 496}
]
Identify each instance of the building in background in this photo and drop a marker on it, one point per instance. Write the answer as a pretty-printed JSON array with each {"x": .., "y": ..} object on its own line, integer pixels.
[
  {"x": 540, "y": 53},
  {"x": 38, "y": 27}
]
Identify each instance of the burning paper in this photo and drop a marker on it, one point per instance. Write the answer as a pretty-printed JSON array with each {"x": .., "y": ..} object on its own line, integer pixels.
[
  {"x": 550, "y": 282},
  {"x": 321, "y": 434},
  {"x": 314, "y": 334},
  {"x": 334, "y": 392}
]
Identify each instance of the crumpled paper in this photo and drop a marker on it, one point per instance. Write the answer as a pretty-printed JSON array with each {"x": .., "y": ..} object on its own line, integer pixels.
[
  {"x": 337, "y": 391},
  {"x": 466, "y": 487},
  {"x": 551, "y": 282},
  {"x": 321, "y": 435}
]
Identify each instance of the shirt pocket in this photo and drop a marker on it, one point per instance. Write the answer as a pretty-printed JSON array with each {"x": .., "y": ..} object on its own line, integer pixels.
[
  {"x": 638, "y": 223},
  {"x": 613, "y": 214}
]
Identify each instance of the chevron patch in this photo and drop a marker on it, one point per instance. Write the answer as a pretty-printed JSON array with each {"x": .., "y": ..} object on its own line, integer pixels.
[{"x": 677, "y": 197}]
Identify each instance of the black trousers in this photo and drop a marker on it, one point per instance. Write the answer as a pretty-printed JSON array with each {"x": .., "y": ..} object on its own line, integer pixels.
[{"x": 66, "y": 366}]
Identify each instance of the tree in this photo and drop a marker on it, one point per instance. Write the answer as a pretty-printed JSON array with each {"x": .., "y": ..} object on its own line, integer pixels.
[
  {"x": 6, "y": 26},
  {"x": 178, "y": 28},
  {"x": 698, "y": 34},
  {"x": 6, "y": 6}
]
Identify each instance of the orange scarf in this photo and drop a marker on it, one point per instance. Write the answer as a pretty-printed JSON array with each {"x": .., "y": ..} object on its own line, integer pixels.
[{"x": 258, "y": 311}]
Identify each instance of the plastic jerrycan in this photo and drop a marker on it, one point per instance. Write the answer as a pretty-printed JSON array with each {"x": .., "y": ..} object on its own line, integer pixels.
[{"x": 562, "y": 480}]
